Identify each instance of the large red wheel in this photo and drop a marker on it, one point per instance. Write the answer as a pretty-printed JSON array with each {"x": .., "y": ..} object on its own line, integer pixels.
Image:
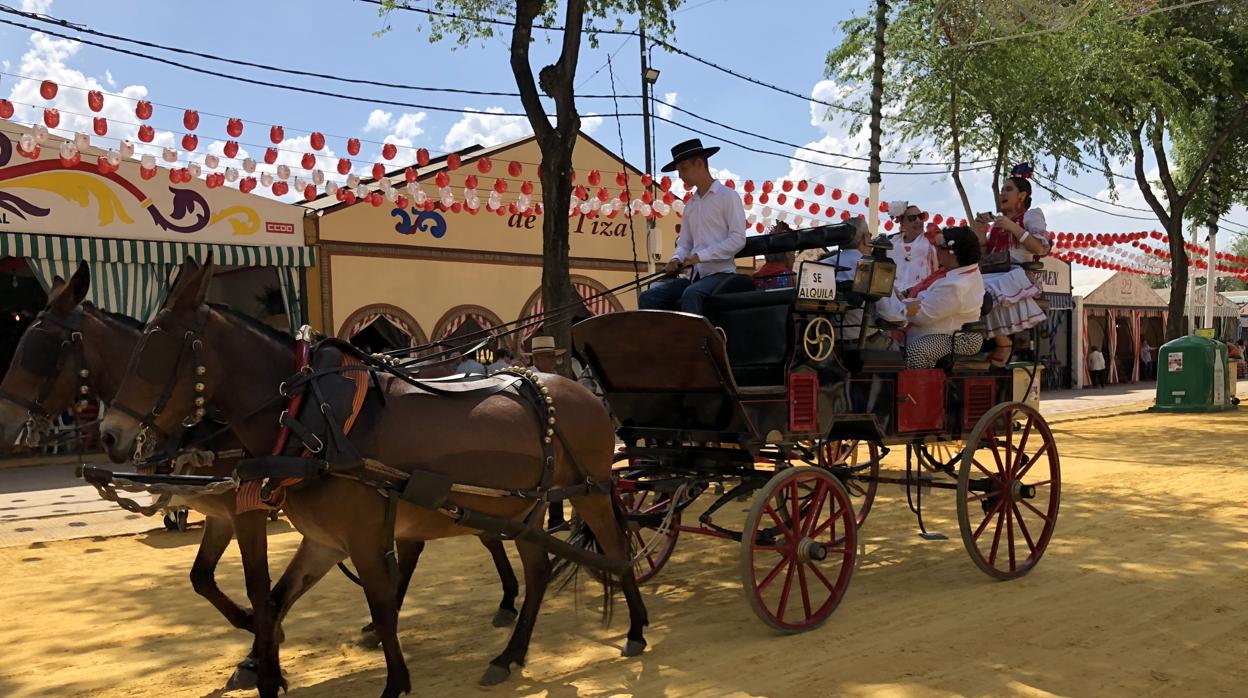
[
  {"x": 798, "y": 549},
  {"x": 652, "y": 522},
  {"x": 856, "y": 464},
  {"x": 1009, "y": 488}
]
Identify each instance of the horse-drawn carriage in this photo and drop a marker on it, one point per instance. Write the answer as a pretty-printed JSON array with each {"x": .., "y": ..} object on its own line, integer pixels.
[{"x": 734, "y": 401}]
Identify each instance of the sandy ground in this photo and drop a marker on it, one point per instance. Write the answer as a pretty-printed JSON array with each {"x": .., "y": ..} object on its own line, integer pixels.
[{"x": 1143, "y": 592}]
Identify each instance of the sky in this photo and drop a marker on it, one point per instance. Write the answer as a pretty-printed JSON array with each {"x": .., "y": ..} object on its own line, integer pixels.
[{"x": 785, "y": 45}]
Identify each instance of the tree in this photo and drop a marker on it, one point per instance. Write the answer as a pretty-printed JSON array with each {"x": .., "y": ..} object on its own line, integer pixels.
[{"x": 463, "y": 20}]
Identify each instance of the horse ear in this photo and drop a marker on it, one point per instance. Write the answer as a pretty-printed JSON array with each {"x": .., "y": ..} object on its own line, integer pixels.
[
  {"x": 61, "y": 296},
  {"x": 191, "y": 288},
  {"x": 80, "y": 282}
]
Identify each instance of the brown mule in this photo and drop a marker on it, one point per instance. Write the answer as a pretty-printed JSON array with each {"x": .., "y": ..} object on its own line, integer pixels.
[
  {"x": 45, "y": 379},
  {"x": 483, "y": 441}
]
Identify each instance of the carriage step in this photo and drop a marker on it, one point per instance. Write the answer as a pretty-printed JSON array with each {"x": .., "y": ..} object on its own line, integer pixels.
[{"x": 933, "y": 536}]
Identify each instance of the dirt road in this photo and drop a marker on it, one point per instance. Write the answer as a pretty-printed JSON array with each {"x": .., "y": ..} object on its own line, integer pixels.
[{"x": 1143, "y": 592}]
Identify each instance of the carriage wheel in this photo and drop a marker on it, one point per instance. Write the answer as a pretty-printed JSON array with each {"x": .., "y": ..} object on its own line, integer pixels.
[
  {"x": 849, "y": 458},
  {"x": 651, "y": 532},
  {"x": 1009, "y": 488},
  {"x": 798, "y": 549},
  {"x": 939, "y": 455}
]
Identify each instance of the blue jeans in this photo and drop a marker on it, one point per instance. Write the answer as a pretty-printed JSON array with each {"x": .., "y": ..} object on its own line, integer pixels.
[{"x": 680, "y": 294}]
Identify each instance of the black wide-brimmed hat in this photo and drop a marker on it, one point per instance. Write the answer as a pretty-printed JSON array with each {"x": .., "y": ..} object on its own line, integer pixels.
[{"x": 688, "y": 149}]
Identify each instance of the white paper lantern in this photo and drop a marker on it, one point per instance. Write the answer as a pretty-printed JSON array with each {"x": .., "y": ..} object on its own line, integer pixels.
[
  {"x": 231, "y": 174},
  {"x": 211, "y": 161},
  {"x": 127, "y": 149},
  {"x": 169, "y": 155},
  {"x": 767, "y": 212},
  {"x": 585, "y": 208},
  {"x": 68, "y": 150},
  {"x": 331, "y": 188},
  {"x": 300, "y": 185},
  {"x": 646, "y": 210},
  {"x": 494, "y": 200},
  {"x": 797, "y": 222},
  {"x": 249, "y": 165},
  {"x": 113, "y": 157},
  {"x": 353, "y": 181},
  {"x": 82, "y": 140},
  {"x": 607, "y": 209},
  {"x": 266, "y": 180},
  {"x": 361, "y": 191},
  {"x": 148, "y": 161},
  {"x": 283, "y": 172},
  {"x": 41, "y": 133},
  {"x": 318, "y": 178},
  {"x": 447, "y": 198},
  {"x": 679, "y": 206},
  {"x": 473, "y": 202},
  {"x": 392, "y": 195},
  {"x": 194, "y": 170}
]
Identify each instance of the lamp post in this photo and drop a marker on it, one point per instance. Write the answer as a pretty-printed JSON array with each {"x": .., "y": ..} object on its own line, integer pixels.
[{"x": 649, "y": 76}]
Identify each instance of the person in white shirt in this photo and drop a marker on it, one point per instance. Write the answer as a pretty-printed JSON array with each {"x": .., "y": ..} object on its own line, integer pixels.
[
  {"x": 503, "y": 358},
  {"x": 1096, "y": 367},
  {"x": 913, "y": 252},
  {"x": 470, "y": 367},
  {"x": 1146, "y": 361},
  {"x": 938, "y": 312},
  {"x": 711, "y": 234}
]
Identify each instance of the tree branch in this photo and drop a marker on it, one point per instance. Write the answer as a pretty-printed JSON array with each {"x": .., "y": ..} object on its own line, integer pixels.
[
  {"x": 521, "y": 38},
  {"x": 1156, "y": 138},
  {"x": 1214, "y": 148},
  {"x": 565, "y": 107},
  {"x": 1141, "y": 178}
]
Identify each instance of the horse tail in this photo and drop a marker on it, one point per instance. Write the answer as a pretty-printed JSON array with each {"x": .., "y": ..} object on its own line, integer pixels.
[{"x": 565, "y": 571}]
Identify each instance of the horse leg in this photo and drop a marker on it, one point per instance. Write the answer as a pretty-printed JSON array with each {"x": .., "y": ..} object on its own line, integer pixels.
[
  {"x": 218, "y": 533},
  {"x": 606, "y": 521},
  {"x": 536, "y": 577},
  {"x": 408, "y": 553},
  {"x": 506, "y": 614},
  {"x": 370, "y": 563},
  {"x": 308, "y": 566},
  {"x": 254, "y": 545}
]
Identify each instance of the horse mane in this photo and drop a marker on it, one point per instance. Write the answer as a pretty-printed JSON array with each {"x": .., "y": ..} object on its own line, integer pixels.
[
  {"x": 272, "y": 333},
  {"x": 117, "y": 318}
]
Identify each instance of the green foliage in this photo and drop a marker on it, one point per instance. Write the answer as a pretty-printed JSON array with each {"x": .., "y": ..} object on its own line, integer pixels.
[{"x": 457, "y": 19}]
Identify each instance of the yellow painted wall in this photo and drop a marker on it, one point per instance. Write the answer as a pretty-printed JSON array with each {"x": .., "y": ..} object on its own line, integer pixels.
[{"x": 427, "y": 289}]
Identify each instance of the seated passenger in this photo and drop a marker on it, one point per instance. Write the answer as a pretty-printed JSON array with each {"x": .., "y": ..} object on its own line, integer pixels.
[
  {"x": 886, "y": 308},
  {"x": 912, "y": 252},
  {"x": 778, "y": 270},
  {"x": 1017, "y": 235},
  {"x": 938, "y": 312},
  {"x": 711, "y": 235}
]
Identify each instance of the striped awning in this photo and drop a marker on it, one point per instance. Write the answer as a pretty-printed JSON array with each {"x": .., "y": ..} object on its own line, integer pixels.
[{"x": 150, "y": 251}]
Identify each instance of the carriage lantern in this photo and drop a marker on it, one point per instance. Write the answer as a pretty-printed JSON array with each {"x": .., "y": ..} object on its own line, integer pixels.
[{"x": 876, "y": 273}]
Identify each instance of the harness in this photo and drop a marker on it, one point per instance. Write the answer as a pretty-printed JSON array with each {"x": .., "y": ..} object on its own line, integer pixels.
[{"x": 45, "y": 354}]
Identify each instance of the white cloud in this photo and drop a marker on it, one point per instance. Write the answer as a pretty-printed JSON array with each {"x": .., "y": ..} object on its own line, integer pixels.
[
  {"x": 491, "y": 127},
  {"x": 725, "y": 175},
  {"x": 108, "y": 78},
  {"x": 38, "y": 6},
  {"x": 665, "y": 110},
  {"x": 378, "y": 120}
]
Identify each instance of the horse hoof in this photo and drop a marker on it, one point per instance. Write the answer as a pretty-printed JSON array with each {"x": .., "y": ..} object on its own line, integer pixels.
[
  {"x": 632, "y": 648},
  {"x": 494, "y": 675},
  {"x": 370, "y": 639},
  {"x": 243, "y": 679},
  {"x": 505, "y": 617}
]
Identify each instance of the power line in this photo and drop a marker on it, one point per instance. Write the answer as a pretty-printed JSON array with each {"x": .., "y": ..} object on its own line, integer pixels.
[{"x": 48, "y": 19}]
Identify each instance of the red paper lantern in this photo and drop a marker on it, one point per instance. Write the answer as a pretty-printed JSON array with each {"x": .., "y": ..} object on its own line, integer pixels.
[
  {"x": 189, "y": 141},
  {"x": 348, "y": 197},
  {"x": 317, "y": 140},
  {"x": 280, "y": 188},
  {"x": 51, "y": 117},
  {"x": 230, "y": 149},
  {"x": 748, "y": 199},
  {"x": 844, "y": 215},
  {"x": 646, "y": 180},
  {"x": 143, "y": 109},
  {"x": 379, "y": 170},
  {"x": 409, "y": 174},
  {"x": 836, "y": 195},
  {"x": 47, "y": 88},
  {"x": 452, "y": 161},
  {"x": 758, "y": 227},
  {"x": 883, "y": 207},
  {"x": 388, "y": 151},
  {"x": 484, "y": 165},
  {"x": 401, "y": 201},
  {"x": 190, "y": 119},
  {"x": 621, "y": 179},
  {"x": 175, "y": 175},
  {"x": 787, "y": 185},
  {"x": 799, "y": 204},
  {"x": 888, "y": 225},
  {"x": 646, "y": 197},
  {"x": 802, "y": 185},
  {"x": 470, "y": 182},
  {"x": 820, "y": 189},
  {"x": 234, "y": 127},
  {"x": 376, "y": 199},
  {"x": 527, "y": 189},
  {"x": 500, "y": 186},
  {"x": 814, "y": 209},
  {"x": 731, "y": 184},
  {"x": 668, "y": 198},
  {"x": 781, "y": 199},
  {"x": 422, "y": 157},
  {"x": 763, "y": 198},
  {"x": 95, "y": 100},
  {"x": 353, "y": 146},
  {"x": 6, "y": 109},
  {"x": 768, "y": 186},
  {"x": 852, "y": 199},
  {"x": 147, "y": 172},
  {"x": 277, "y": 134},
  {"x": 308, "y": 161},
  {"x": 100, "y": 125},
  {"x": 937, "y": 219},
  {"x": 514, "y": 169},
  {"x": 456, "y": 207},
  {"x": 146, "y": 133},
  {"x": 270, "y": 155},
  {"x": 344, "y": 166},
  {"x": 442, "y": 179}
]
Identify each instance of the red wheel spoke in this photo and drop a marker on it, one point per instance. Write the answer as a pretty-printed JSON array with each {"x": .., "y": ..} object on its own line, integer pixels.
[
  {"x": 771, "y": 576},
  {"x": 813, "y": 568},
  {"x": 812, "y": 516},
  {"x": 987, "y": 517},
  {"x": 801, "y": 582},
  {"x": 1042, "y": 483},
  {"x": 1009, "y": 445},
  {"x": 829, "y": 524},
  {"x": 977, "y": 496},
  {"x": 1009, "y": 535},
  {"x": 774, "y": 517},
  {"x": 996, "y": 537},
  {"x": 1022, "y": 445},
  {"x": 784, "y": 593},
  {"x": 996, "y": 452},
  {"x": 795, "y": 509},
  {"x": 1022, "y": 527},
  {"x": 987, "y": 472},
  {"x": 1035, "y": 458},
  {"x": 1043, "y": 517}
]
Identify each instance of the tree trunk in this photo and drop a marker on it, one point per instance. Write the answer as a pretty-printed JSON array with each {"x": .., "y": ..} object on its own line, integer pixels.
[
  {"x": 998, "y": 171},
  {"x": 1178, "y": 279},
  {"x": 955, "y": 131},
  {"x": 557, "y": 291}
]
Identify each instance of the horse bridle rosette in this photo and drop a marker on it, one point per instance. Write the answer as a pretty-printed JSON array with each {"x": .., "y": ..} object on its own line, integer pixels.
[
  {"x": 158, "y": 359},
  {"x": 44, "y": 354}
]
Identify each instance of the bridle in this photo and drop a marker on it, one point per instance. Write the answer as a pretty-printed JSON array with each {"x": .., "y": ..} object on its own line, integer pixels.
[
  {"x": 162, "y": 351},
  {"x": 45, "y": 355}
]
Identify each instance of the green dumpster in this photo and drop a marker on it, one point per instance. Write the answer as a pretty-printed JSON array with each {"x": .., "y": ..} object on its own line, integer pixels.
[{"x": 1192, "y": 376}]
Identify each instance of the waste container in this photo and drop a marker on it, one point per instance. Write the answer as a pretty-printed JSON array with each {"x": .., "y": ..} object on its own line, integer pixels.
[
  {"x": 1027, "y": 384},
  {"x": 1192, "y": 376}
]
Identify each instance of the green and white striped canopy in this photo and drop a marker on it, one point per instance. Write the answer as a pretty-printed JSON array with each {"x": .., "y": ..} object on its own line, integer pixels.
[{"x": 150, "y": 251}]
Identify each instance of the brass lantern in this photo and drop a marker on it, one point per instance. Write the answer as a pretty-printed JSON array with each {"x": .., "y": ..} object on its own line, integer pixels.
[{"x": 876, "y": 273}]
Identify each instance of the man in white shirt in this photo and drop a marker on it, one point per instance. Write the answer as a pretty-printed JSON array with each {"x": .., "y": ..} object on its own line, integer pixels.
[
  {"x": 912, "y": 251},
  {"x": 1096, "y": 367},
  {"x": 711, "y": 234}
]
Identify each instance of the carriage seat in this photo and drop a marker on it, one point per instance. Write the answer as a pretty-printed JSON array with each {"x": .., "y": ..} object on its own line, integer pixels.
[
  {"x": 756, "y": 326},
  {"x": 734, "y": 283}
]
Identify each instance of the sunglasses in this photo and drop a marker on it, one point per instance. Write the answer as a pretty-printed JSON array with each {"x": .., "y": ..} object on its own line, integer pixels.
[{"x": 911, "y": 217}]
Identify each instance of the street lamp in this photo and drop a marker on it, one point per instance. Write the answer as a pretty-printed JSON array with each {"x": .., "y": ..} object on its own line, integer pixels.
[{"x": 651, "y": 76}]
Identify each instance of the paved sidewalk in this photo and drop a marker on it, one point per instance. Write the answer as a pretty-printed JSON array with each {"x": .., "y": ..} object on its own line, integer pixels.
[{"x": 1136, "y": 395}]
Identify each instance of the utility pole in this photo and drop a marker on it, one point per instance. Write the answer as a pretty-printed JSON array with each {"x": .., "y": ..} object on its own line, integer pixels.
[
  {"x": 1215, "y": 181},
  {"x": 645, "y": 121},
  {"x": 877, "y": 98}
]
